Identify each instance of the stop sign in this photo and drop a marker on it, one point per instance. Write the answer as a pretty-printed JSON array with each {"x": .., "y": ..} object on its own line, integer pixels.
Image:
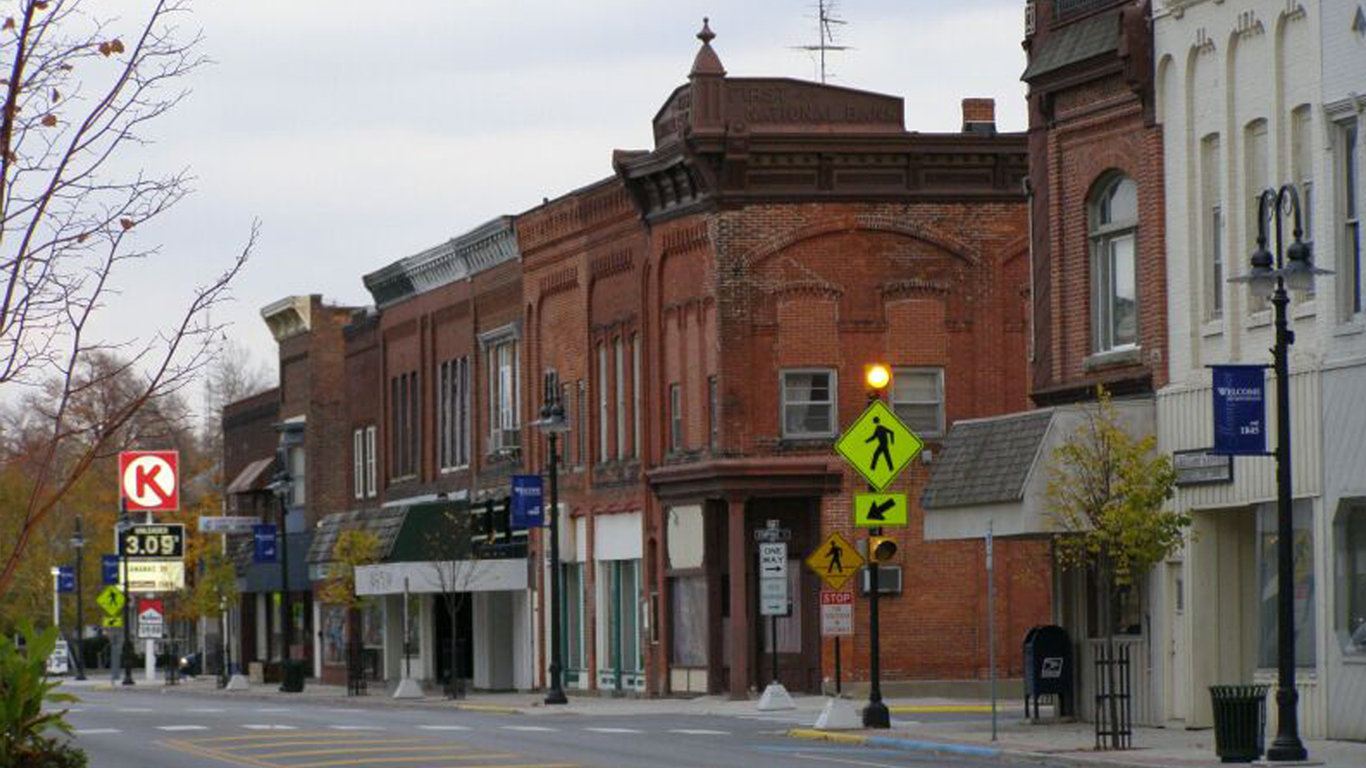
[{"x": 150, "y": 480}]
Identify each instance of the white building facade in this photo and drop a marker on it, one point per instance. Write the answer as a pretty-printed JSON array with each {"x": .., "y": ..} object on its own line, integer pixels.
[{"x": 1256, "y": 94}]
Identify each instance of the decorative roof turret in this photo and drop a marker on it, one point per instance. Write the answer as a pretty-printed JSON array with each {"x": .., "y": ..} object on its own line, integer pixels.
[{"x": 706, "y": 62}]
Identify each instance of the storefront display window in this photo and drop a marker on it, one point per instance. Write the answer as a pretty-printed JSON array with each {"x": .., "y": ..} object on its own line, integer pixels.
[
  {"x": 1305, "y": 629},
  {"x": 1350, "y": 532}
]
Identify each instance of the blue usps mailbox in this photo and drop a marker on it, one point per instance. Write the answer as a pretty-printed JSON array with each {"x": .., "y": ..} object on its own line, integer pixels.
[
  {"x": 109, "y": 569},
  {"x": 264, "y": 538},
  {"x": 528, "y": 511},
  {"x": 1239, "y": 410}
]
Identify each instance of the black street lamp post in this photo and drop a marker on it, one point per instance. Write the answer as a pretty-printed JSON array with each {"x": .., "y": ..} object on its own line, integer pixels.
[
  {"x": 78, "y": 542},
  {"x": 553, "y": 424},
  {"x": 127, "y": 652},
  {"x": 283, "y": 486},
  {"x": 876, "y": 714},
  {"x": 1269, "y": 277}
]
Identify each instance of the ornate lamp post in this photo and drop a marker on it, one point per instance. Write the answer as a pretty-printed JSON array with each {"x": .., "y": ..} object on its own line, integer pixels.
[
  {"x": 553, "y": 424},
  {"x": 78, "y": 542},
  {"x": 1269, "y": 277},
  {"x": 283, "y": 486}
]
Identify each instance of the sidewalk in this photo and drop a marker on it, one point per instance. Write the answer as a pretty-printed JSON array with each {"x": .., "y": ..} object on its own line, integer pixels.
[{"x": 1067, "y": 743}]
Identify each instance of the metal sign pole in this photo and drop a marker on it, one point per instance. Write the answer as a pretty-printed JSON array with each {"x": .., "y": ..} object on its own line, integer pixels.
[
  {"x": 838, "y": 691},
  {"x": 991, "y": 627}
]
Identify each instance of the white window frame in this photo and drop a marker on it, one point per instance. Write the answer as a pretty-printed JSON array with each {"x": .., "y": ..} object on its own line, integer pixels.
[
  {"x": 1103, "y": 239},
  {"x": 454, "y": 404},
  {"x": 358, "y": 462},
  {"x": 783, "y": 404},
  {"x": 619, "y": 358},
  {"x": 713, "y": 411},
  {"x": 636, "y": 399},
  {"x": 371, "y": 462},
  {"x": 1302, "y": 173},
  {"x": 1256, "y": 171},
  {"x": 1212, "y": 219},
  {"x": 1347, "y": 164},
  {"x": 602, "y": 401},
  {"x": 938, "y": 374}
]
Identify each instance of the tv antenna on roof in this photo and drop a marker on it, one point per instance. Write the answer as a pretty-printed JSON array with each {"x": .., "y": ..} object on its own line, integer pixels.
[{"x": 825, "y": 29}]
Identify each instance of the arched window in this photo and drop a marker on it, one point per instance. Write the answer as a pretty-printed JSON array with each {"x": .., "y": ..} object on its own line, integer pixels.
[{"x": 1113, "y": 224}]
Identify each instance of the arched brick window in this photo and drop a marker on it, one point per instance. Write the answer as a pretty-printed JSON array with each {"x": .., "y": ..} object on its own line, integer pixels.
[{"x": 1112, "y": 222}]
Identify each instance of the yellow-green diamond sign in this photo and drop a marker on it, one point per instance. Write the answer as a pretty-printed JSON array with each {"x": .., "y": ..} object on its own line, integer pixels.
[
  {"x": 878, "y": 445},
  {"x": 111, "y": 599}
]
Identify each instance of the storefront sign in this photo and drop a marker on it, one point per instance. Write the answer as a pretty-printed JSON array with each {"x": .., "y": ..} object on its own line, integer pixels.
[
  {"x": 155, "y": 576},
  {"x": 1239, "y": 410},
  {"x": 527, "y": 507},
  {"x": 1201, "y": 467}
]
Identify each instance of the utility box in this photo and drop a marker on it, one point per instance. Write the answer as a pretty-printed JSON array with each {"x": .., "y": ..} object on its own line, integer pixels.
[{"x": 1049, "y": 669}]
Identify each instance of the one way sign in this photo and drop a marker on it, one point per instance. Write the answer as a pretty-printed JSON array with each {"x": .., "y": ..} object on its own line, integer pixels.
[{"x": 149, "y": 480}]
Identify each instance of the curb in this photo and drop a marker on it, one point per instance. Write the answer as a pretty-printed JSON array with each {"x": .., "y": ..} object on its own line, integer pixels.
[{"x": 944, "y": 748}]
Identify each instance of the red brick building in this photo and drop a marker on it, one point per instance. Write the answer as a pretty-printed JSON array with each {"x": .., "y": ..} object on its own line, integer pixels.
[
  {"x": 1098, "y": 299},
  {"x": 709, "y": 311}
]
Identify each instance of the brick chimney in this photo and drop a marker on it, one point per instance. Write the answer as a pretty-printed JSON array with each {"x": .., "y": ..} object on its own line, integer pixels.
[{"x": 979, "y": 115}]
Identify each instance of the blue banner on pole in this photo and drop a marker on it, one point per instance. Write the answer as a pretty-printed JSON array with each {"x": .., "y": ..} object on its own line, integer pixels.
[
  {"x": 1239, "y": 410},
  {"x": 527, "y": 506},
  {"x": 109, "y": 569},
  {"x": 264, "y": 539},
  {"x": 66, "y": 579}
]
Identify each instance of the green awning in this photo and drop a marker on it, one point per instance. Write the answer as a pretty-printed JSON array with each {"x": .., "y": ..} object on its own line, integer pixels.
[{"x": 437, "y": 530}]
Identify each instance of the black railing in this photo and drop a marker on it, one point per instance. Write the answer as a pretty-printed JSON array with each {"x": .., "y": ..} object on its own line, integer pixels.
[{"x": 1070, "y": 9}]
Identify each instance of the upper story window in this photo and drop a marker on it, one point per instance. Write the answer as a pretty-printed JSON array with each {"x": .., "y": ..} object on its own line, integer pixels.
[
  {"x": 298, "y": 474},
  {"x": 581, "y": 431},
  {"x": 1113, "y": 226},
  {"x": 619, "y": 356},
  {"x": 637, "y": 402},
  {"x": 363, "y": 462},
  {"x": 918, "y": 399},
  {"x": 713, "y": 413},
  {"x": 1255, "y": 175},
  {"x": 403, "y": 421},
  {"x": 1212, "y": 227},
  {"x": 602, "y": 402},
  {"x": 453, "y": 401},
  {"x": 1347, "y": 158},
  {"x": 504, "y": 384},
  {"x": 675, "y": 418},
  {"x": 808, "y": 403}
]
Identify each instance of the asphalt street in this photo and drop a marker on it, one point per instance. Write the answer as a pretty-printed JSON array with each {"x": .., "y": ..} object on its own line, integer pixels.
[{"x": 150, "y": 729}]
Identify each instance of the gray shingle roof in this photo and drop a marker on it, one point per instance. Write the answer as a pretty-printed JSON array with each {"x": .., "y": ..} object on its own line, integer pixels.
[
  {"x": 1074, "y": 43},
  {"x": 986, "y": 461},
  {"x": 384, "y": 523}
]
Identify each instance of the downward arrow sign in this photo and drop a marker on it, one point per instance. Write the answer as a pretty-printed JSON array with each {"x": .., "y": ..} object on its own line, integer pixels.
[{"x": 878, "y": 510}]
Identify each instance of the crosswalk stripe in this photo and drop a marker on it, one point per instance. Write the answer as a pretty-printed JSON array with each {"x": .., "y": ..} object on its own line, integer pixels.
[
  {"x": 444, "y": 727},
  {"x": 270, "y": 727},
  {"x": 536, "y": 728},
  {"x": 206, "y": 710},
  {"x": 133, "y": 710},
  {"x": 699, "y": 732},
  {"x": 355, "y": 727},
  {"x": 273, "y": 709},
  {"x": 95, "y": 731},
  {"x": 613, "y": 730},
  {"x": 182, "y": 727}
]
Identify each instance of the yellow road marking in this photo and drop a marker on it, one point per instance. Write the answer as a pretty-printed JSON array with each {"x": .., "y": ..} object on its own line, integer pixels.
[
  {"x": 190, "y": 749},
  {"x": 295, "y": 735},
  {"x": 407, "y": 759},
  {"x": 362, "y": 750},
  {"x": 941, "y": 708},
  {"x": 341, "y": 741}
]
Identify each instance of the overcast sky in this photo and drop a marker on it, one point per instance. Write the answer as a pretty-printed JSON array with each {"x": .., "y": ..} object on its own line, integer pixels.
[{"x": 361, "y": 133}]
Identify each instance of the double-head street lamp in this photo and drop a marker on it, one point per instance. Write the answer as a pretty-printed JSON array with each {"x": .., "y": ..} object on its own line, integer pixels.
[
  {"x": 78, "y": 543},
  {"x": 1270, "y": 276},
  {"x": 553, "y": 424},
  {"x": 876, "y": 714}
]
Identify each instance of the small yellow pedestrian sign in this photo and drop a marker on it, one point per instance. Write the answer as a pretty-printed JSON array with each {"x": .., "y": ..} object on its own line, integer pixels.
[
  {"x": 111, "y": 621},
  {"x": 111, "y": 599},
  {"x": 878, "y": 445},
  {"x": 876, "y": 509},
  {"x": 835, "y": 561}
]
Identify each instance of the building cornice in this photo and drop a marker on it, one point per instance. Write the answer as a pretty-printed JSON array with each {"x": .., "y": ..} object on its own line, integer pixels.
[
  {"x": 460, "y": 258},
  {"x": 288, "y": 317}
]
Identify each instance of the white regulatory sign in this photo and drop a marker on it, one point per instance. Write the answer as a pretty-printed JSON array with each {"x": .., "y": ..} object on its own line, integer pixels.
[
  {"x": 837, "y": 614},
  {"x": 773, "y": 560},
  {"x": 773, "y": 597}
]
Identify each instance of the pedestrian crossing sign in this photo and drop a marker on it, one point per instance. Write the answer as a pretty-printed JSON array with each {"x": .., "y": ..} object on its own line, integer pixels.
[
  {"x": 111, "y": 599},
  {"x": 872, "y": 510},
  {"x": 878, "y": 445},
  {"x": 835, "y": 561}
]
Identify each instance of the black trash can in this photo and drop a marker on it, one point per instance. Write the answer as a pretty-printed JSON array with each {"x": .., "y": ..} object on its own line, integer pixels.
[
  {"x": 1239, "y": 721},
  {"x": 293, "y": 677}
]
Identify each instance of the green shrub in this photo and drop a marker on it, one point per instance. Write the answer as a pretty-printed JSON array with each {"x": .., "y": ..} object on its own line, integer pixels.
[{"x": 24, "y": 690}]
